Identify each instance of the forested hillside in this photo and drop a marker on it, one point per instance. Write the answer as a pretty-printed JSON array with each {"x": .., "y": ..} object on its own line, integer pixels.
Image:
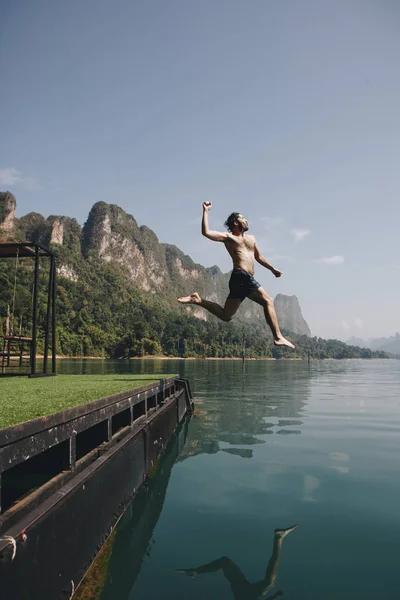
[{"x": 117, "y": 288}]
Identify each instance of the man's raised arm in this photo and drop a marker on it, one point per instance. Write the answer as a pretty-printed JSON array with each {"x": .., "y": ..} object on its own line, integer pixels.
[
  {"x": 263, "y": 261},
  {"x": 216, "y": 236}
]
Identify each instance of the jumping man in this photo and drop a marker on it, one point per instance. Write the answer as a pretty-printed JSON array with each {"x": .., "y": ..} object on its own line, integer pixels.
[{"x": 243, "y": 250}]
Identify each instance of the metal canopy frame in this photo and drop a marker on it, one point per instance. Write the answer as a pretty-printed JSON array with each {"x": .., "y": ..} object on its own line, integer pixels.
[{"x": 36, "y": 252}]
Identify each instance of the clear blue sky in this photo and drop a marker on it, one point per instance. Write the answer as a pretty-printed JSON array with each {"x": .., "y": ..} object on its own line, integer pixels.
[{"x": 288, "y": 112}]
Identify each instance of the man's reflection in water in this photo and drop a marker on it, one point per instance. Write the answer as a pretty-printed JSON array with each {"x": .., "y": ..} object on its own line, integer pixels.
[{"x": 241, "y": 588}]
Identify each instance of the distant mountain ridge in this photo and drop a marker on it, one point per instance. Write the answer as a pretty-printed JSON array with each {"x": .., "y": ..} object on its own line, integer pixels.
[
  {"x": 112, "y": 236},
  {"x": 387, "y": 344}
]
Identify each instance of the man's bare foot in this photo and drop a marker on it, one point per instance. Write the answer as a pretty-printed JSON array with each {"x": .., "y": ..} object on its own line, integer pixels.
[
  {"x": 283, "y": 342},
  {"x": 192, "y": 299},
  {"x": 282, "y": 533},
  {"x": 191, "y": 572}
]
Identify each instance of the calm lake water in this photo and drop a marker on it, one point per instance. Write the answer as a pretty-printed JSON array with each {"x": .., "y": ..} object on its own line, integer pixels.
[{"x": 271, "y": 446}]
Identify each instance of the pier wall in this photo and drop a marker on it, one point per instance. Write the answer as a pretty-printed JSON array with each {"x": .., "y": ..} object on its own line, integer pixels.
[{"x": 49, "y": 536}]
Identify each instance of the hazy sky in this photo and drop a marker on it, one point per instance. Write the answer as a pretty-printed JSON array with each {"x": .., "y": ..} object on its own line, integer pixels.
[{"x": 286, "y": 111}]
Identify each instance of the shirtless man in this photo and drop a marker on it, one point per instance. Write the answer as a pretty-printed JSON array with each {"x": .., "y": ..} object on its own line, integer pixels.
[{"x": 243, "y": 250}]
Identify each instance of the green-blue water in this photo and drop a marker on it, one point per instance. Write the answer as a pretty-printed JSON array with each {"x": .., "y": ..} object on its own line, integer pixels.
[{"x": 279, "y": 444}]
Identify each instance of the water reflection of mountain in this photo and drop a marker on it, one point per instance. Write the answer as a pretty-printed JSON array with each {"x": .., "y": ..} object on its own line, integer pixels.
[
  {"x": 239, "y": 409},
  {"x": 131, "y": 541}
]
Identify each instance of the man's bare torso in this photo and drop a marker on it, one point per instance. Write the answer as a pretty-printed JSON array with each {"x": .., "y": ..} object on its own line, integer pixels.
[{"x": 241, "y": 248}]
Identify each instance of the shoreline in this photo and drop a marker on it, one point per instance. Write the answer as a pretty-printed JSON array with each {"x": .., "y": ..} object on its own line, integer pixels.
[{"x": 208, "y": 358}]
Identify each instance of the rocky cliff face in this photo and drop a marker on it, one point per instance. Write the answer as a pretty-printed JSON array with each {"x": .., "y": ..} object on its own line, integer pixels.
[
  {"x": 8, "y": 206},
  {"x": 112, "y": 236},
  {"x": 61, "y": 231},
  {"x": 289, "y": 315},
  {"x": 65, "y": 232},
  {"x": 57, "y": 232}
]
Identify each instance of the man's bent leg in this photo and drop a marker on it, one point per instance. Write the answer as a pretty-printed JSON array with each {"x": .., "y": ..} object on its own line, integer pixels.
[
  {"x": 261, "y": 297},
  {"x": 225, "y": 313}
]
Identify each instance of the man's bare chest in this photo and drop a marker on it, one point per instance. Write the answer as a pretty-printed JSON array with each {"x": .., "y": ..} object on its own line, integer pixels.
[{"x": 242, "y": 245}]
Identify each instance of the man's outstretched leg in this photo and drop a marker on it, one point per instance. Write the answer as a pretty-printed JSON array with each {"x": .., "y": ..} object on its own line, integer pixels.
[
  {"x": 225, "y": 313},
  {"x": 261, "y": 297},
  {"x": 265, "y": 586},
  {"x": 230, "y": 569}
]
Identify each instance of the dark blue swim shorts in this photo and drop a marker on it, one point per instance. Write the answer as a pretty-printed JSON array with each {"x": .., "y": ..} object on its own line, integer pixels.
[{"x": 241, "y": 285}]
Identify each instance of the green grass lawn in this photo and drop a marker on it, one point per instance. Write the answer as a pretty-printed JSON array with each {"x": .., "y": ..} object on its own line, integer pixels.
[{"x": 23, "y": 399}]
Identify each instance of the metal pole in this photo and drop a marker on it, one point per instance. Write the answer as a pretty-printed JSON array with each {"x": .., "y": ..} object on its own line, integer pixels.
[
  {"x": 53, "y": 314},
  {"x": 47, "y": 329},
  {"x": 35, "y": 305}
]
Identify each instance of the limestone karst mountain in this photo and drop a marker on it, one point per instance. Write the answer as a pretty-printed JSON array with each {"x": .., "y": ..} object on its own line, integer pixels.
[{"x": 112, "y": 236}]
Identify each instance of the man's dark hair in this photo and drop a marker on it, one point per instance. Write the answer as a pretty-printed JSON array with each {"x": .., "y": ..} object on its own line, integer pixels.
[{"x": 231, "y": 220}]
